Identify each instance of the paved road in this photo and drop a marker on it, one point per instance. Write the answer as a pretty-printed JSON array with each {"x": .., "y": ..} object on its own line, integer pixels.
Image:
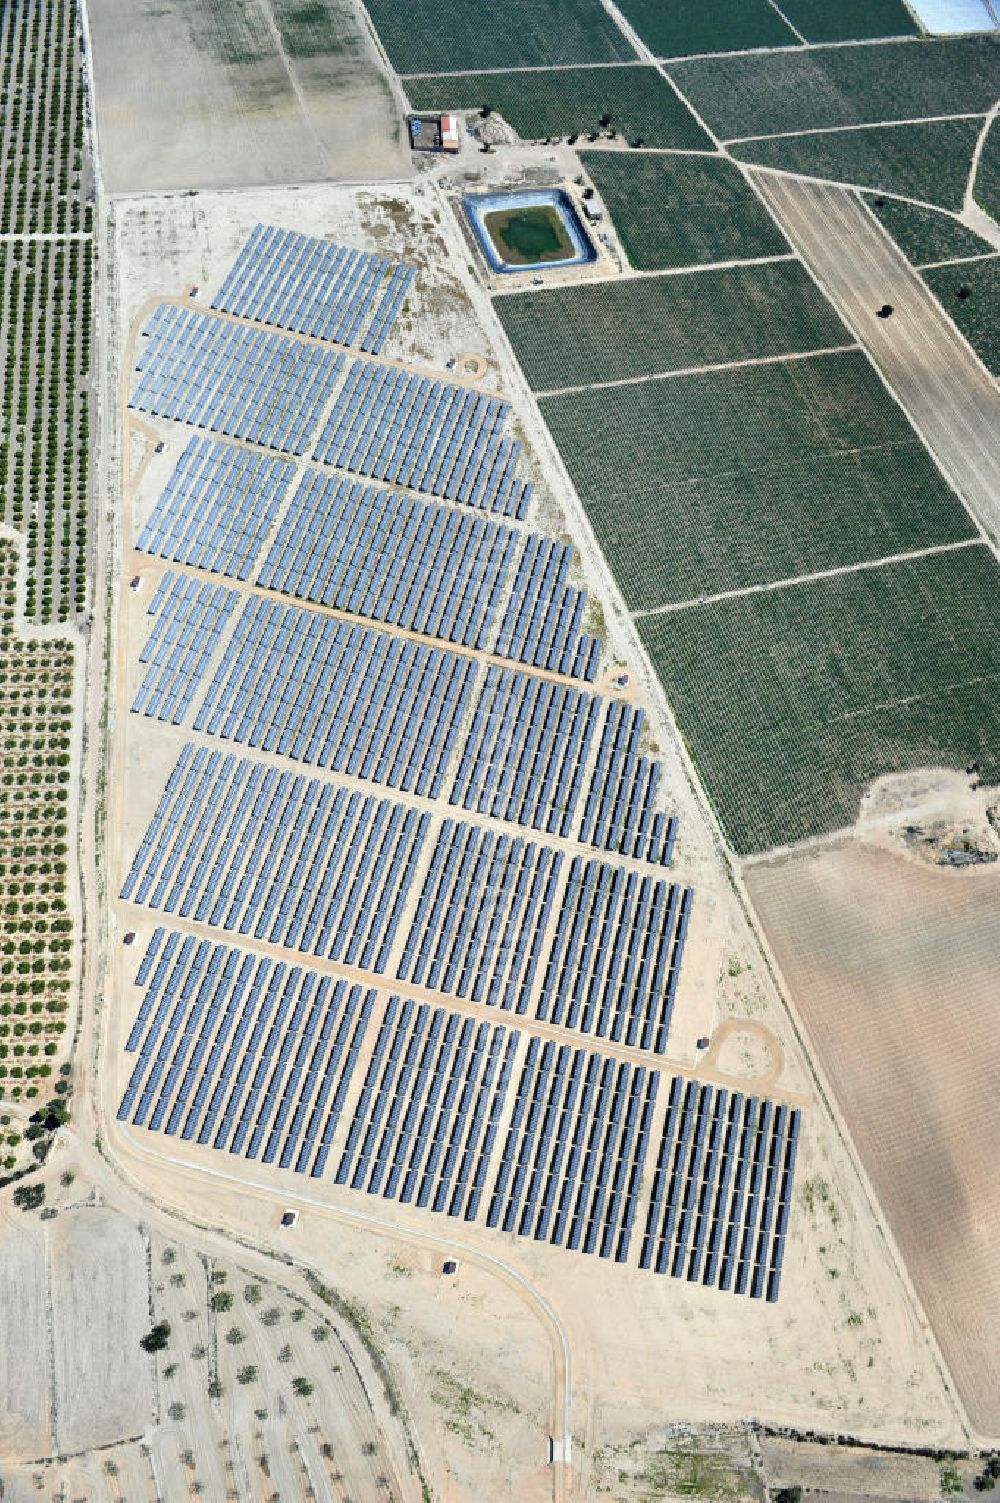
[{"x": 949, "y": 396}]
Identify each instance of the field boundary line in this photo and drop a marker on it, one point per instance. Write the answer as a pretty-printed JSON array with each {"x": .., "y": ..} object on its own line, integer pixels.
[
  {"x": 655, "y": 60},
  {"x": 992, "y": 255},
  {"x": 970, "y": 183},
  {"x": 792, "y": 28},
  {"x": 841, "y": 130},
  {"x": 863, "y": 567},
  {"x": 647, "y": 275},
  {"x": 842, "y": 185},
  {"x": 698, "y": 370},
  {"x": 15, "y": 236},
  {"x": 645, "y": 53}
]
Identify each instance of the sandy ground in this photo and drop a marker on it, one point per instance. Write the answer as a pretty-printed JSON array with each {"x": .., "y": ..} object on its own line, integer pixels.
[
  {"x": 893, "y": 965},
  {"x": 100, "y": 1310},
  {"x": 845, "y": 1472},
  {"x": 843, "y": 1348},
  {"x": 203, "y": 94}
]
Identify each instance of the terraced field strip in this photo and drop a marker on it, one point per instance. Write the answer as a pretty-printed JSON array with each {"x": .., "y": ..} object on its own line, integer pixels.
[
  {"x": 947, "y": 394},
  {"x": 46, "y": 275}
]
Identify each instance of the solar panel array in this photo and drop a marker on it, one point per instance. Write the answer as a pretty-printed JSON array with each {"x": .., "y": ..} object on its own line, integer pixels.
[
  {"x": 526, "y": 1129},
  {"x": 541, "y": 624},
  {"x": 573, "y": 1158},
  {"x": 315, "y": 287},
  {"x": 480, "y": 921},
  {"x": 426, "y": 1118},
  {"x": 292, "y": 861},
  {"x": 428, "y": 435},
  {"x": 242, "y": 1052},
  {"x": 614, "y": 963},
  {"x": 524, "y": 756},
  {"x": 620, "y": 812},
  {"x": 248, "y": 383},
  {"x": 188, "y": 619},
  {"x": 217, "y": 508},
  {"x": 339, "y": 696},
  {"x": 720, "y": 1198},
  {"x": 391, "y": 558}
]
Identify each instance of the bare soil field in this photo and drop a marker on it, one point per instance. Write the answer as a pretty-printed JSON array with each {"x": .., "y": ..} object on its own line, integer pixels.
[
  {"x": 204, "y": 94},
  {"x": 24, "y": 1394},
  {"x": 99, "y": 1294},
  {"x": 893, "y": 966}
]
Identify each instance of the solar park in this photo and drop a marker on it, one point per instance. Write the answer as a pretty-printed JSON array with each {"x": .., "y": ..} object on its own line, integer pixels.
[{"x": 410, "y": 922}]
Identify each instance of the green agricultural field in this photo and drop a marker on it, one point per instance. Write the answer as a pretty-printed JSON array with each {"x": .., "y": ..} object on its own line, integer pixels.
[
  {"x": 849, "y": 20},
  {"x": 704, "y": 483},
  {"x": 977, "y": 311},
  {"x": 45, "y": 303},
  {"x": 682, "y": 211},
  {"x": 762, "y": 94},
  {"x": 792, "y": 700},
  {"x": 929, "y": 160},
  {"x": 987, "y": 186},
  {"x": 925, "y": 235},
  {"x": 425, "y": 36},
  {"x": 574, "y": 336},
  {"x": 685, "y": 26},
  {"x": 569, "y": 101}
]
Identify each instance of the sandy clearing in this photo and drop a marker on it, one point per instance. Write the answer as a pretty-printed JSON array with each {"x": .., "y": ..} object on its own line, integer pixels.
[
  {"x": 893, "y": 966},
  {"x": 100, "y": 1309},
  {"x": 206, "y": 95}
]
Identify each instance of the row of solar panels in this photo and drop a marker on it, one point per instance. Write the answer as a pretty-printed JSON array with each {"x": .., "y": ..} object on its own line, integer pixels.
[
  {"x": 258, "y": 1058},
  {"x": 339, "y": 696},
  {"x": 355, "y": 547},
  {"x": 189, "y": 617},
  {"x": 315, "y": 287},
  {"x": 309, "y": 866},
  {"x": 359, "y": 701},
  {"x": 230, "y": 378},
  {"x": 427, "y": 435}
]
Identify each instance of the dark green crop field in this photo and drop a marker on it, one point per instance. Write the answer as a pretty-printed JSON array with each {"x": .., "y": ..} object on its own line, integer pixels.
[
  {"x": 792, "y": 700},
  {"x": 987, "y": 185},
  {"x": 577, "y": 335},
  {"x": 925, "y": 235},
  {"x": 711, "y": 482},
  {"x": 564, "y": 102},
  {"x": 929, "y": 160},
  {"x": 759, "y": 95},
  {"x": 682, "y": 211},
  {"x": 970, "y": 294},
  {"x": 680, "y": 27},
  {"x": 424, "y": 36},
  {"x": 849, "y": 20}
]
